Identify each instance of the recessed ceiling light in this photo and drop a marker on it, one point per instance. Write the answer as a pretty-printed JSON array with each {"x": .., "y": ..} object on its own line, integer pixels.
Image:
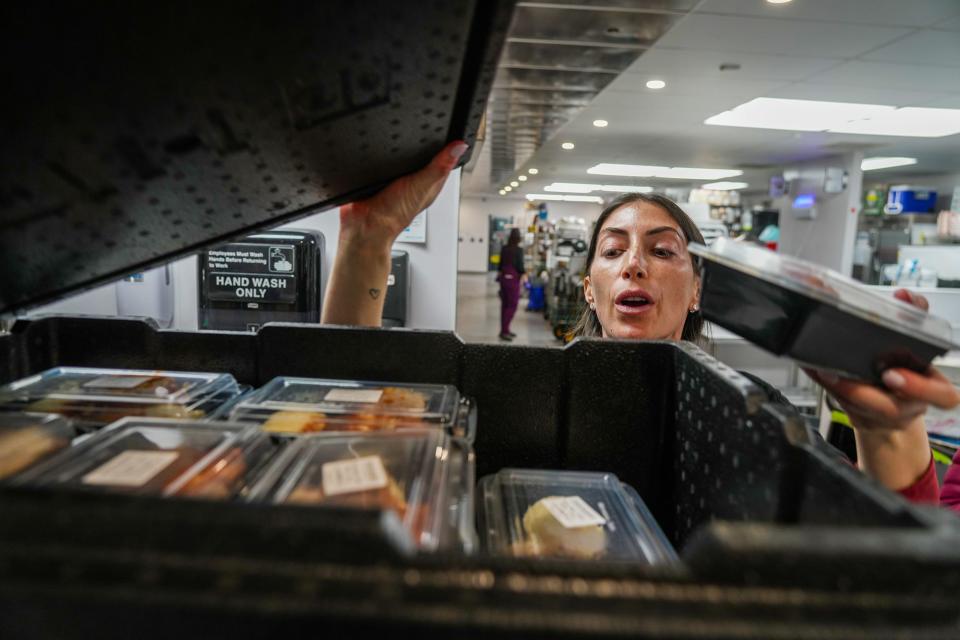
[
  {"x": 778, "y": 1},
  {"x": 648, "y": 171},
  {"x": 840, "y": 117},
  {"x": 656, "y": 84},
  {"x": 508, "y": 188},
  {"x": 514, "y": 184},
  {"x": 522, "y": 178},
  {"x": 600, "y": 123},
  {"x": 725, "y": 186},
  {"x": 869, "y": 164},
  {"x": 572, "y": 187},
  {"x": 502, "y": 192},
  {"x": 533, "y": 171},
  {"x": 568, "y": 145},
  {"x": 557, "y": 197}
]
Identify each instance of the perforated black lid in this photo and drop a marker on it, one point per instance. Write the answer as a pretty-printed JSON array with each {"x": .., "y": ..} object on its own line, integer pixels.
[{"x": 136, "y": 132}]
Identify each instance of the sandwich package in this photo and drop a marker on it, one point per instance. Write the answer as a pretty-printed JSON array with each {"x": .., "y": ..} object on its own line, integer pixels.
[{"x": 568, "y": 514}]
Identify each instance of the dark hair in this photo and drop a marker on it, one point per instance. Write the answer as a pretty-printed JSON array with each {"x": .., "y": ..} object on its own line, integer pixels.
[
  {"x": 588, "y": 323},
  {"x": 514, "y": 239}
]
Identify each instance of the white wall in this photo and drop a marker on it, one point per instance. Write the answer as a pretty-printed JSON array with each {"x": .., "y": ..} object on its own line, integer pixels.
[
  {"x": 829, "y": 238},
  {"x": 475, "y": 213},
  {"x": 101, "y": 301}
]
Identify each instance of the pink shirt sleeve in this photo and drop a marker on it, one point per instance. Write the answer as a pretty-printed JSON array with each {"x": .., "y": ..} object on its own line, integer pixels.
[
  {"x": 926, "y": 489},
  {"x": 950, "y": 496}
]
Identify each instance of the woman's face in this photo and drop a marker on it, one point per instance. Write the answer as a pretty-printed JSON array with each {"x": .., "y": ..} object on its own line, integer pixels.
[{"x": 642, "y": 283}]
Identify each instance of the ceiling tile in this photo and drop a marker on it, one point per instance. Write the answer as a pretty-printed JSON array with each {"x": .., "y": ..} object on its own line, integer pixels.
[
  {"x": 892, "y": 95},
  {"x": 923, "y": 47},
  {"x": 779, "y": 37},
  {"x": 897, "y": 13},
  {"x": 666, "y": 63},
  {"x": 884, "y": 75}
]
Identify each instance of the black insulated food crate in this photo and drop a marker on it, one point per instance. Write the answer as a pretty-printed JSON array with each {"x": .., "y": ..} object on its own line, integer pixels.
[{"x": 778, "y": 537}]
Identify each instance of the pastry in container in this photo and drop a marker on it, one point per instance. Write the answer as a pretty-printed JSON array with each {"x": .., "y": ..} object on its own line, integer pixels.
[
  {"x": 814, "y": 315},
  {"x": 96, "y": 397},
  {"x": 27, "y": 439},
  {"x": 162, "y": 457},
  {"x": 405, "y": 472},
  {"x": 312, "y": 405},
  {"x": 568, "y": 514}
]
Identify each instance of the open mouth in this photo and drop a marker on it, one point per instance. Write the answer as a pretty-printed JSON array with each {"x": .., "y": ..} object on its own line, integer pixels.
[{"x": 635, "y": 301}]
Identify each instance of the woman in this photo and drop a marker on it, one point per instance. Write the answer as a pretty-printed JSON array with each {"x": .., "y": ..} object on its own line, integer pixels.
[
  {"x": 642, "y": 283},
  {"x": 511, "y": 277}
]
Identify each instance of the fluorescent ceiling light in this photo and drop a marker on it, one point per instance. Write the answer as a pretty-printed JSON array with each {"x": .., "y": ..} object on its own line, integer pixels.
[
  {"x": 795, "y": 115},
  {"x": 648, "y": 171},
  {"x": 625, "y": 188},
  {"x": 913, "y": 122},
  {"x": 568, "y": 145},
  {"x": 533, "y": 171},
  {"x": 656, "y": 84},
  {"x": 869, "y": 164},
  {"x": 557, "y": 197},
  {"x": 725, "y": 186},
  {"x": 840, "y": 117},
  {"x": 632, "y": 170},
  {"x": 572, "y": 187},
  {"x": 522, "y": 178},
  {"x": 600, "y": 123},
  {"x": 581, "y": 187},
  {"x": 779, "y": 1}
]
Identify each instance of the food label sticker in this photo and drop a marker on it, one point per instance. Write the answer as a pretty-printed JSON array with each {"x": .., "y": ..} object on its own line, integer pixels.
[
  {"x": 117, "y": 382},
  {"x": 353, "y": 395},
  {"x": 572, "y": 512},
  {"x": 130, "y": 468},
  {"x": 351, "y": 476}
]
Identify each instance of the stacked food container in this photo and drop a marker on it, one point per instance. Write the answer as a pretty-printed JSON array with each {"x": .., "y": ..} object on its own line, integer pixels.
[{"x": 93, "y": 398}]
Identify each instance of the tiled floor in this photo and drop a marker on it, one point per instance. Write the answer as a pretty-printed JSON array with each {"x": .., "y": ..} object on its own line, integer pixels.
[{"x": 478, "y": 314}]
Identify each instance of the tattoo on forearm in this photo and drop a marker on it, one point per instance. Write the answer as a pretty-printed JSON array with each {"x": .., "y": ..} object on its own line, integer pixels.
[{"x": 374, "y": 293}]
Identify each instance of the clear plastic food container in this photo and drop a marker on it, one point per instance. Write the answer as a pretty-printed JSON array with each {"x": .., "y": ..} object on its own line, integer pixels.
[
  {"x": 307, "y": 405},
  {"x": 403, "y": 471},
  {"x": 26, "y": 439},
  {"x": 460, "y": 532},
  {"x": 568, "y": 514},
  {"x": 95, "y": 397},
  {"x": 153, "y": 456},
  {"x": 814, "y": 315}
]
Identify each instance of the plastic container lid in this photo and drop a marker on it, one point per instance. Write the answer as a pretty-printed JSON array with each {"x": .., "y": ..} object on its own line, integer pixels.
[
  {"x": 152, "y": 456},
  {"x": 104, "y": 395},
  {"x": 29, "y": 438},
  {"x": 828, "y": 287},
  {"x": 405, "y": 471},
  {"x": 568, "y": 514}
]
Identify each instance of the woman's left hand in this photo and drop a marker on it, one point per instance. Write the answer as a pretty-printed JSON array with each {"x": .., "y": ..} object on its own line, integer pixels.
[{"x": 891, "y": 436}]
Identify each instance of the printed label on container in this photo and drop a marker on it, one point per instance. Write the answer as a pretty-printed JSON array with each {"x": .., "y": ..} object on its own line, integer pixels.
[
  {"x": 572, "y": 512},
  {"x": 353, "y": 395},
  {"x": 117, "y": 382},
  {"x": 131, "y": 468},
  {"x": 351, "y": 476}
]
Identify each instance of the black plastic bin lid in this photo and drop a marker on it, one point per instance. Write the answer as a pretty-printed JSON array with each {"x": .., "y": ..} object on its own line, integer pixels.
[{"x": 138, "y": 132}]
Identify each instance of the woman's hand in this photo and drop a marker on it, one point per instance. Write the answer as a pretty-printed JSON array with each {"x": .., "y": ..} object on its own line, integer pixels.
[
  {"x": 891, "y": 435},
  {"x": 378, "y": 220},
  {"x": 368, "y": 228}
]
